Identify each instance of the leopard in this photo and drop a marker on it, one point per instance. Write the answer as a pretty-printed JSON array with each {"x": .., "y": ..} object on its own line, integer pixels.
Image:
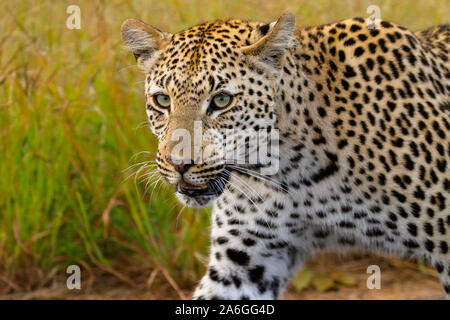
[{"x": 361, "y": 109}]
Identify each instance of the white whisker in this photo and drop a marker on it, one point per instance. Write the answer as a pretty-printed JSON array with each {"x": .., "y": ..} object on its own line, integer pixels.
[{"x": 262, "y": 178}]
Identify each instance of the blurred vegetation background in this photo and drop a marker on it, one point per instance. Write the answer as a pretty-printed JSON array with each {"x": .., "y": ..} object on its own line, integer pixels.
[{"x": 72, "y": 121}]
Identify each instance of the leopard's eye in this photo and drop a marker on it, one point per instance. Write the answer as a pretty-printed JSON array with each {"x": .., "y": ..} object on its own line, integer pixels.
[
  {"x": 162, "y": 100},
  {"x": 221, "y": 100}
]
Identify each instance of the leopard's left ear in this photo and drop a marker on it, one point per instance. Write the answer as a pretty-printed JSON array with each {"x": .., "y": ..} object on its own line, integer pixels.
[
  {"x": 272, "y": 47},
  {"x": 143, "y": 40}
]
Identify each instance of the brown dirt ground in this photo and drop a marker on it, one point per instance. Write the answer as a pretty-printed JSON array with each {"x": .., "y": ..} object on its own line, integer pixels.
[{"x": 400, "y": 279}]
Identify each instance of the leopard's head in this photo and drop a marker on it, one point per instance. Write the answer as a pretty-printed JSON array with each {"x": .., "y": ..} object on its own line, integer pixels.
[{"x": 209, "y": 91}]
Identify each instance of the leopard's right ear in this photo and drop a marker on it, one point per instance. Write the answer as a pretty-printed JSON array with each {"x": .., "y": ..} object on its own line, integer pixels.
[
  {"x": 277, "y": 40},
  {"x": 143, "y": 40}
]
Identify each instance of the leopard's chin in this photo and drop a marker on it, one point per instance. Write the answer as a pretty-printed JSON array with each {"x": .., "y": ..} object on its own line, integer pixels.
[{"x": 197, "y": 201}]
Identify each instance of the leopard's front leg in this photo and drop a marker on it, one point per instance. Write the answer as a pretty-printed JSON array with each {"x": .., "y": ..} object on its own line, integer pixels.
[
  {"x": 235, "y": 272},
  {"x": 252, "y": 255}
]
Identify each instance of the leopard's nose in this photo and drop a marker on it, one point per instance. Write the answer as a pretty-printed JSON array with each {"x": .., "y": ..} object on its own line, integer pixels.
[{"x": 180, "y": 165}]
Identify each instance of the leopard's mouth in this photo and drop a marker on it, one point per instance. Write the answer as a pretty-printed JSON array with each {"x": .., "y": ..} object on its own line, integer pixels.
[{"x": 213, "y": 188}]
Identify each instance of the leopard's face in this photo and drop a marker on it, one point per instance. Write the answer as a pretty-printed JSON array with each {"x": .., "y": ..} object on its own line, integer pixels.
[
  {"x": 209, "y": 97},
  {"x": 211, "y": 102}
]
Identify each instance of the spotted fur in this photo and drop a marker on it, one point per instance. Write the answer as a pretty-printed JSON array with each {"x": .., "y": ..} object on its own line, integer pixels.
[{"x": 364, "y": 122}]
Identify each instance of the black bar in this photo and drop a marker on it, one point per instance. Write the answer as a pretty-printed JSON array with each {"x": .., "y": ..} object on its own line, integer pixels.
[{"x": 176, "y": 309}]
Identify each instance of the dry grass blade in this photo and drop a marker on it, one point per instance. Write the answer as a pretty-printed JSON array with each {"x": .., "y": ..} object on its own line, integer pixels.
[{"x": 173, "y": 284}]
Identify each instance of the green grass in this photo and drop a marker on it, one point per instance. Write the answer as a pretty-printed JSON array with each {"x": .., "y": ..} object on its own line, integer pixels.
[{"x": 72, "y": 118}]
